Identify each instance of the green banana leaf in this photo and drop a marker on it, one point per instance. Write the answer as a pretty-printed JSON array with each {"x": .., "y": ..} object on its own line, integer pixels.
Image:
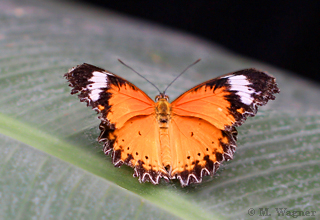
[{"x": 51, "y": 166}]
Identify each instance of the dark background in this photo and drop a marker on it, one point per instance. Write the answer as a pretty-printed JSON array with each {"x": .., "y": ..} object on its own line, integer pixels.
[{"x": 282, "y": 33}]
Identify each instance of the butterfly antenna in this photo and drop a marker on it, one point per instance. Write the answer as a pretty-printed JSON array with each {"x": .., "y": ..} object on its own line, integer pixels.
[
  {"x": 138, "y": 74},
  {"x": 181, "y": 74}
]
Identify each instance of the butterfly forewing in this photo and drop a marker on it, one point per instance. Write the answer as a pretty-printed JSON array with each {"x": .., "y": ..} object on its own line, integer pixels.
[
  {"x": 115, "y": 98},
  {"x": 226, "y": 101}
]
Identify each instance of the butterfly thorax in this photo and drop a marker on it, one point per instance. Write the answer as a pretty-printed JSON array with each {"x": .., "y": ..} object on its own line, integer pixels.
[{"x": 163, "y": 112}]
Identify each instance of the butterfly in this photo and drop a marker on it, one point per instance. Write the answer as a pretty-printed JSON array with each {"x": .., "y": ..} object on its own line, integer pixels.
[{"x": 186, "y": 139}]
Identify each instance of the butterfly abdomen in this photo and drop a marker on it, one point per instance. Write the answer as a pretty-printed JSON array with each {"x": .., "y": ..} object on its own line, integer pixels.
[{"x": 165, "y": 149}]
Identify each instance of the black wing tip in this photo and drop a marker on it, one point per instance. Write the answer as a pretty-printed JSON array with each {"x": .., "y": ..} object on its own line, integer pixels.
[
  {"x": 267, "y": 93},
  {"x": 79, "y": 80},
  {"x": 265, "y": 88}
]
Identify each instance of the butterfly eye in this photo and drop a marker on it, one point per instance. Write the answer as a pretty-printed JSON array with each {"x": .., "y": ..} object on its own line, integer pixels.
[
  {"x": 166, "y": 97},
  {"x": 157, "y": 98}
]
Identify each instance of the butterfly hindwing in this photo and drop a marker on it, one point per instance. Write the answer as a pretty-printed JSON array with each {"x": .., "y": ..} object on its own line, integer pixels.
[
  {"x": 137, "y": 144},
  {"x": 198, "y": 148}
]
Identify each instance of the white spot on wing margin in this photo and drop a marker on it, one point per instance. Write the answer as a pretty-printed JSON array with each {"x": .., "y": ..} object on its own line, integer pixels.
[
  {"x": 99, "y": 80},
  {"x": 240, "y": 84}
]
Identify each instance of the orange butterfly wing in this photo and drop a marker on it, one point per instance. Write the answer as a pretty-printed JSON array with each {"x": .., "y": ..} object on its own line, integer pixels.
[
  {"x": 127, "y": 119},
  {"x": 204, "y": 119}
]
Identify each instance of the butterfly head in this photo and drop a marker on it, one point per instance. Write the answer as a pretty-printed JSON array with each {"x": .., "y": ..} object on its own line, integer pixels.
[{"x": 162, "y": 96}]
